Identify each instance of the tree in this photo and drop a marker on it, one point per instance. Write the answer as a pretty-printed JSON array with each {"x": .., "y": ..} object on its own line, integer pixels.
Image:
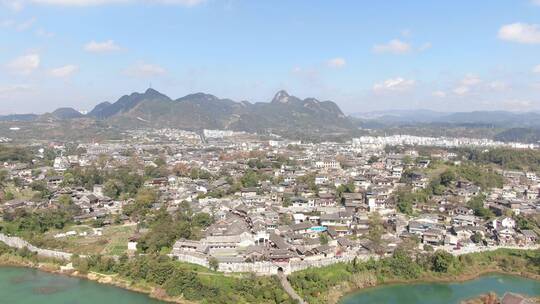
[
  {"x": 181, "y": 169},
  {"x": 442, "y": 261},
  {"x": 112, "y": 189},
  {"x": 65, "y": 200},
  {"x": 477, "y": 205},
  {"x": 9, "y": 196},
  {"x": 3, "y": 177},
  {"x": 409, "y": 245},
  {"x": 250, "y": 179},
  {"x": 373, "y": 159},
  {"x": 402, "y": 264},
  {"x": 405, "y": 207},
  {"x": 202, "y": 219},
  {"x": 345, "y": 188},
  {"x": 213, "y": 263},
  {"x": 447, "y": 177},
  {"x": 143, "y": 202},
  {"x": 323, "y": 238},
  {"x": 375, "y": 232},
  {"x": 477, "y": 237}
]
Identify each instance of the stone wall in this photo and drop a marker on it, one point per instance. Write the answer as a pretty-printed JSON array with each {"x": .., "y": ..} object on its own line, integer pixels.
[
  {"x": 266, "y": 267},
  {"x": 193, "y": 259},
  {"x": 16, "y": 242}
]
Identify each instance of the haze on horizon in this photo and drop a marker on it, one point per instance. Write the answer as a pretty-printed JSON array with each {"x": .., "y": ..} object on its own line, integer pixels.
[{"x": 445, "y": 56}]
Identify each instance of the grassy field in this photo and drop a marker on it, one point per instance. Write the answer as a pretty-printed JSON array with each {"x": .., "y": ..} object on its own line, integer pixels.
[
  {"x": 22, "y": 194},
  {"x": 113, "y": 240}
]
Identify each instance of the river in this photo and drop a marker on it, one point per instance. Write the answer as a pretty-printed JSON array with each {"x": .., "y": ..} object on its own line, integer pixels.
[
  {"x": 443, "y": 293},
  {"x": 23, "y": 286}
]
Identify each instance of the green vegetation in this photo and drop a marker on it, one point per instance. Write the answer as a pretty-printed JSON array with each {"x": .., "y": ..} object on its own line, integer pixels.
[
  {"x": 252, "y": 178},
  {"x": 477, "y": 205},
  {"x": 176, "y": 279},
  {"x": 406, "y": 198},
  {"x": 25, "y": 222},
  {"x": 113, "y": 240},
  {"x": 14, "y": 153},
  {"x": 186, "y": 281},
  {"x": 482, "y": 177},
  {"x": 376, "y": 231},
  {"x": 165, "y": 229},
  {"x": 122, "y": 181},
  {"x": 326, "y": 285},
  {"x": 512, "y": 159},
  {"x": 443, "y": 177}
]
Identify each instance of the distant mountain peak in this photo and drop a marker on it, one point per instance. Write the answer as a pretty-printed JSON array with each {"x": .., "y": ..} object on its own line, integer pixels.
[
  {"x": 311, "y": 100},
  {"x": 66, "y": 113},
  {"x": 200, "y": 96},
  {"x": 281, "y": 97},
  {"x": 286, "y": 113},
  {"x": 151, "y": 93}
]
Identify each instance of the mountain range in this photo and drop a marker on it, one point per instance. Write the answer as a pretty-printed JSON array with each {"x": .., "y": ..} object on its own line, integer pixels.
[
  {"x": 494, "y": 118},
  {"x": 284, "y": 114}
]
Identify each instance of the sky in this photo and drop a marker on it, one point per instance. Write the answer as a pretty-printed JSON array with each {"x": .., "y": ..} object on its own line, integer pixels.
[{"x": 458, "y": 55}]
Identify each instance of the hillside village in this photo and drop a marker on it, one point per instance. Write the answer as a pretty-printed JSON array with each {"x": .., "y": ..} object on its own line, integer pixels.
[{"x": 239, "y": 202}]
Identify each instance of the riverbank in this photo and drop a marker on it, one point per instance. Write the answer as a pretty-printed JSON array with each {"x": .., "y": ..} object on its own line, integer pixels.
[
  {"x": 453, "y": 279},
  {"x": 8, "y": 260},
  {"x": 331, "y": 284},
  {"x": 317, "y": 285},
  {"x": 445, "y": 293},
  {"x": 159, "y": 277}
]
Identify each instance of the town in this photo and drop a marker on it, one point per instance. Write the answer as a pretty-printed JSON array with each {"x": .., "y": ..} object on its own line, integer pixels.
[{"x": 241, "y": 202}]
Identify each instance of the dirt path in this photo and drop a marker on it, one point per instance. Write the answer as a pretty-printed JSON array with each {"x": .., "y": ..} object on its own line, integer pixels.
[{"x": 288, "y": 288}]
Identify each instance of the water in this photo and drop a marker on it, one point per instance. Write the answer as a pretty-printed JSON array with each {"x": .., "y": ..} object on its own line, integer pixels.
[
  {"x": 443, "y": 293},
  {"x": 24, "y": 286}
]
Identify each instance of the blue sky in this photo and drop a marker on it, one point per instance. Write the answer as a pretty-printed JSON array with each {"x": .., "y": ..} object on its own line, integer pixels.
[{"x": 364, "y": 55}]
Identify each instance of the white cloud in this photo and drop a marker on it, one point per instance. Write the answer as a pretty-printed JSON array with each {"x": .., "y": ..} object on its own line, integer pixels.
[
  {"x": 461, "y": 90},
  {"x": 440, "y": 94},
  {"x": 518, "y": 104},
  {"x": 336, "y": 62},
  {"x": 101, "y": 47},
  {"x": 535, "y": 2},
  {"x": 471, "y": 80},
  {"x": 19, "y": 4},
  {"x": 394, "y": 46},
  {"x": 536, "y": 69},
  {"x": 465, "y": 85},
  {"x": 14, "y": 5},
  {"x": 25, "y": 64},
  {"x": 19, "y": 26},
  {"x": 521, "y": 33},
  {"x": 145, "y": 70},
  {"x": 8, "y": 90},
  {"x": 44, "y": 33},
  {"x": 77, "y": 2},
  {"x": 23, "y": 26},
  {"x": 187, "y": 3},
  {"x": 498, "y": 85},
  {"x": 394, "y": 84},
  {"x": 64, "y": 71}
]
